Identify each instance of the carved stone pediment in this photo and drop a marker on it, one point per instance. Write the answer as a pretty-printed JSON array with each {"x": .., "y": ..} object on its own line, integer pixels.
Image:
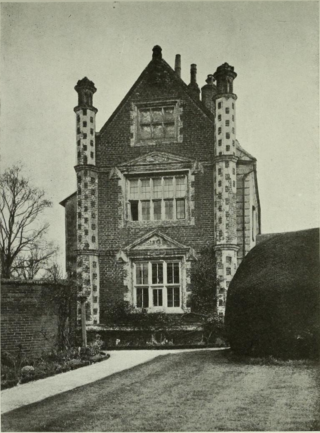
[
  {"x": 155, "y": 159},
  {"x": 155, "y": 240},
  {"x": 155, "y": 244}
]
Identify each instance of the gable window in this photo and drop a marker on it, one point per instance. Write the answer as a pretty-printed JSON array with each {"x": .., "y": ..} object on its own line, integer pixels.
[
  {"x": 157, "y": 284},
  {"x": 160, "y": 198},
  {"x": 156, "y": 123}
]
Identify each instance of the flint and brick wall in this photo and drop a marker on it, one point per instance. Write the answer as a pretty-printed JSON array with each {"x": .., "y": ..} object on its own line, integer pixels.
[{"x": 30, "y": 316}]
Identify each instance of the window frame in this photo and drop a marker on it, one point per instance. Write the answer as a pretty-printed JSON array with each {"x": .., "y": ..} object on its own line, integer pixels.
[
  {"x": 137, "y": 138},
  {"x": 164, "y": 286},
  {"x": 173, "y": 196}
]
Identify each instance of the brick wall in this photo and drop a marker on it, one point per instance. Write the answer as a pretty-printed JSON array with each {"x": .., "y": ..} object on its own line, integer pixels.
[
  {"x": 71, "y": 234},
  {"x": 30, "y": 315},
  {"x": 114, "y": 147}
]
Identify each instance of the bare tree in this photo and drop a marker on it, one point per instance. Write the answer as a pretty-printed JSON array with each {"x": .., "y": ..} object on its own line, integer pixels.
[
  {"x": 28, "y": 265},
  {"x": 55, "y": 273},
  {"x": 23, "y": 251}
]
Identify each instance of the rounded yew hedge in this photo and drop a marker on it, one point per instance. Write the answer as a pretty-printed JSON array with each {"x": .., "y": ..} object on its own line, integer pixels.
[{"x": 273, "y": 302}]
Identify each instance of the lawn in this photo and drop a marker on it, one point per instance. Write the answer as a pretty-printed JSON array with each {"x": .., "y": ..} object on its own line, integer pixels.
[{"x": 197, "y": 391}]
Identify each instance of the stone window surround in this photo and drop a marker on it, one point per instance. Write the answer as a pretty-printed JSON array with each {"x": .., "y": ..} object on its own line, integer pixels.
[
  {"x": 189, "y": 200},
  {"x": 164, "y": 286},
  {"x": 123, "y": 174},
  {"x": 181, "y": 253},
  {"x": 160, "y": 198},
  {"x": 134, "y": 116},
  {"x": 169, "y": 256}
]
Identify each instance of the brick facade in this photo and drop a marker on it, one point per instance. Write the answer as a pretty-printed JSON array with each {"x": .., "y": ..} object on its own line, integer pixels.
[
  {"x": 30, "y": 316},
  {"x": 161, "y": 134}
]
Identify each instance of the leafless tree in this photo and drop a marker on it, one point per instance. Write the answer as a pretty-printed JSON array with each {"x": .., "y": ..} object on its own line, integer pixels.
[
  {"x": 23, "y": 250},
  {"x": 28, "y": 265}
]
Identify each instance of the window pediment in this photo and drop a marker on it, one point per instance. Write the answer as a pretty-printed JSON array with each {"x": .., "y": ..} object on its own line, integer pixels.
[
  {"x": 155, "y": 241},
  {"x": 155, "y": 161}
]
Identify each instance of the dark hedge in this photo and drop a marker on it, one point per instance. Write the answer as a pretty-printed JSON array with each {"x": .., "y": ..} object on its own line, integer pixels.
[{"x": 273, "y": 303}]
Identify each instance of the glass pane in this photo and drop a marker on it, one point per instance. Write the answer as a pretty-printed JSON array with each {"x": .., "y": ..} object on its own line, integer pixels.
[
  {"x": 142, "y": 273},
  {"x": 145, "y": 188},
  {"x": 168, "y": 114},
  {"x": 134, "y": 188},
  {"x": 170, "y": 296},
  {"x": 173, "y": 273},
  {"x": 145, "y": 210},
  {"x": 157, "y": 131},
  {"x": 181, "y": 214},
  {"x": 168, "y": 209},
  {"x": 157, "y": 116},
  {"x": 145, "y": 116},
  {"x": 180, "y": 186},
  {"x": 157, "y": 297},
  {"x": 139, "y": 298},
  {"x": 176, "y": 299},
  {"x": 142, "y": 297},
  {"x": 145, "y": 298},
  {"x": 134, "y": 206},
  {"x": 157, "y": 210},
  {"x": 157, "y": 188},
  {"x": 168, "y": 187},
  {"x": 145, "y": 132},
  {"x": 157, "y": 273},
  {"x": 176, "y": 272},
  {"x": 169, "y": 130},
  {"x": 169, "y": 273}
]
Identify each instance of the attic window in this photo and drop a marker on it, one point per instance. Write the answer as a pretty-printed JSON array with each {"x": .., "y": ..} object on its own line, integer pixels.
[{"x": 156, "y": 122}]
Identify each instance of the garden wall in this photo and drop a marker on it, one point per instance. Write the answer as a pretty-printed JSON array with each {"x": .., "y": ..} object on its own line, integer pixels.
[{"x": 36, "y": 316}]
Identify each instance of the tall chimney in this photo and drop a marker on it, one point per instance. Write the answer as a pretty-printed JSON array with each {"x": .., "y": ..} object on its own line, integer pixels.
[
  {"x": 193, "y": 86},
  {"x": 177, "y": 65},
  {"x": 208, "y": 91}
]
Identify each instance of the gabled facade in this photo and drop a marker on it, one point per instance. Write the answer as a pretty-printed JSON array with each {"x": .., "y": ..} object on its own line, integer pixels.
[{"x": 164, "y": 176}]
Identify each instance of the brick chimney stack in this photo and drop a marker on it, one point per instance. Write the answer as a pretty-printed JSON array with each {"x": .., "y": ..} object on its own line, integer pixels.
[
  {"x": 177, "y": 65},
  {"x": 207, "y": 92},
  {"x": 193, "y": 86}
]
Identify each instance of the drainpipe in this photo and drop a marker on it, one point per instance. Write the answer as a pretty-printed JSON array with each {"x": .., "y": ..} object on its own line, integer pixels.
[{"x": 244, "y": 216}]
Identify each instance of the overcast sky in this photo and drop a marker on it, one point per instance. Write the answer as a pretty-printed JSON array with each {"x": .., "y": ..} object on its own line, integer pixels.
[{"x": 47, "y": 47}]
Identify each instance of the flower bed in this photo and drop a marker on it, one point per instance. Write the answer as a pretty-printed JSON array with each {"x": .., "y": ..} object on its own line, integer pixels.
[{"x": 18, "y": 369}]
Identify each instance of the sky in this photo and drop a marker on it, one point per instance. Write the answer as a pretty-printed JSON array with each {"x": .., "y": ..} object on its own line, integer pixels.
[{"x": 274, "y": 46}]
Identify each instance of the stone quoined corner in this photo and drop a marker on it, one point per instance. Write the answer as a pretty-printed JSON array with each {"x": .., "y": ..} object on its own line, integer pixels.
[{"x": 165, "y": 176}]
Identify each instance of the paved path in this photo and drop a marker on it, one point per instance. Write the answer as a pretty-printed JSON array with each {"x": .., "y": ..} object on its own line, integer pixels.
[{"x": 38, "y": 390}]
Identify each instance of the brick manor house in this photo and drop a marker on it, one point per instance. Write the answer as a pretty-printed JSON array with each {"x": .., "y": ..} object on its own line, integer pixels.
[{"x": 164, "y": 176}]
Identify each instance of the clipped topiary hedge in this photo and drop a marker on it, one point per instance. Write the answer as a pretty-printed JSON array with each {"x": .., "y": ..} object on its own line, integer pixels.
[{"x": 273, "y": 302}]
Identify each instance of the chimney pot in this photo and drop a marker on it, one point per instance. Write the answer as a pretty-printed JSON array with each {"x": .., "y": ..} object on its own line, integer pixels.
[
  {"x": 177, "y": 65},
  {"x": 157, "y": 52},
  {"x": 193, "y": 74}
]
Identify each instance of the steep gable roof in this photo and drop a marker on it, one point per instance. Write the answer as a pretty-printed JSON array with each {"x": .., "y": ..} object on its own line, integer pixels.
[
  {"x": 243, "y": 154},
  {"x": 161, "y": 66},
  {"x": 64, "y": 202}
]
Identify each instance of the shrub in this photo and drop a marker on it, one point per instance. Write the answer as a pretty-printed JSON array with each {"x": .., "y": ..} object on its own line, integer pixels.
[{"x": 273, "y": 303}]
